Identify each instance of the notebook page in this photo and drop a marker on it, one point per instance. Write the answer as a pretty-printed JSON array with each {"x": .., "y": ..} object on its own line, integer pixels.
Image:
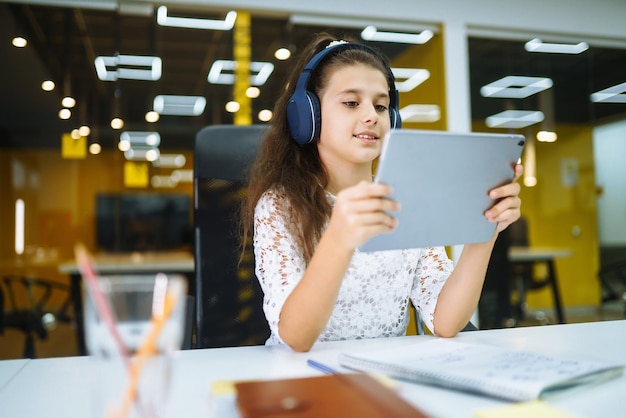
[{"x": 498, "y": 372}]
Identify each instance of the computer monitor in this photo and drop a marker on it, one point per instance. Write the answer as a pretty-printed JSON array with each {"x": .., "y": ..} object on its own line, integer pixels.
[{"x": 143, "y": 222}]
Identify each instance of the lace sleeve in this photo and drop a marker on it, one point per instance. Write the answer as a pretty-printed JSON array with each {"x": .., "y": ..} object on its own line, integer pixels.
[
  {"x": 433, "y": 270},
  {"x": 279, "y": 262}
]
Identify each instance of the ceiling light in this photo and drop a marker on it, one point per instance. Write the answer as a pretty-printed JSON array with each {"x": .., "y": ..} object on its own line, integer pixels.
[
  {"x": 84, "y": 130},
  {"x": 413, "y": 77},
  {"x": 68, "y": 102},
  {"x": 182, "y": 176},
  {"x": 265, "y": 115},
  {"x": 95, "y": 148},
  {"x": 160, "y": 181},
  {"x": 546, "y": 136},
  {"x": 282, "y": 54},
  {"x": 65, "y": 114},
  {"x": 179, "y": 105},
  {"x": 48, "y": 85},
  {"x": 19, "y": 42},
  {"x": 614, "y": 94},
  {"x": 75, "y": 134},
  {"x": 170, "y": 161},
  {"x": 515, "y": 119},
  {"x": 195, "y": 23},
  {"x": 232, "y": 106},
  {"x": 151, "y": 139},
  {"x": 262, "y": 72},
  {"x": 420, "y": 113},
  {"x": 371, "y": 33},
  {"x": 19, "y": 226},
  {"x": 152, "y": 71},
  {"x": 123, "y": 146},
  {"x": 253, "y": 92},
  {"x": 117, "y": 123},
  {"x": 142, "y": 154},
  {"x": 535, "y": 45},
  {"x": 516, "y": 87},
  {"x": 152, "y": 116}
]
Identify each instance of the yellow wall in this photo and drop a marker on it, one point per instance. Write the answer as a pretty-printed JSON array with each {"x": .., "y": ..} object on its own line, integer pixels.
[
  {"x": 553, "y": 210},
  {"x": 59, "y": 196}
]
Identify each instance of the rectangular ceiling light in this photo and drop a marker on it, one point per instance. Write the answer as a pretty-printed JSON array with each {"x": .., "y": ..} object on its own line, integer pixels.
[
  {"x": 179, "y": 105},
  {"x": 535, "y": 45},
  {"x": 371, "y": 33},
  {"x": 514, "y": 119},
  {"x": 327, "y": 20},
  {"x": 19, "y": 226},
  {"x": 412, "y": 77},
  {"x": 420, "y": 113},
  {"x": 261, "y": 72},
  {"x": 515, "y": 87},
  {"x": 142, "y": 154},
  {"x": 615, "y": 94},
  {"x": 140, "y": 138},
  {"x": 170, "y": 161},
  {"x": 195, "y": 23},
  {"x": 111, "y": 68}
]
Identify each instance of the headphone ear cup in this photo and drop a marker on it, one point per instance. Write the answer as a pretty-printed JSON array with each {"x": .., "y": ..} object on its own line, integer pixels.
[
  {"x": 394, "y": 115},
  {"x": 303, "y": 117},
  {"x": 316, "y": 116}
]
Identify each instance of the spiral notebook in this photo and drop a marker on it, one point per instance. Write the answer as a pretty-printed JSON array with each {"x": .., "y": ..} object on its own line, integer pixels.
[{"x": 487, "y": 370}]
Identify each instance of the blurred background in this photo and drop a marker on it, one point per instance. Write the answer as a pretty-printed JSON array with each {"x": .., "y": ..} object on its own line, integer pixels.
[{"x": 101, "y": 101}]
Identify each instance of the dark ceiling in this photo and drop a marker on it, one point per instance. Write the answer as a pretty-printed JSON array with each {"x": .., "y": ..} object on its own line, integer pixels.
[{"x": 66, "y": 42}]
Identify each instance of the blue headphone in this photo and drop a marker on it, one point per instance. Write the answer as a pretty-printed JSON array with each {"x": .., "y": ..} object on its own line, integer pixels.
[{"x": 303, "y": 108}]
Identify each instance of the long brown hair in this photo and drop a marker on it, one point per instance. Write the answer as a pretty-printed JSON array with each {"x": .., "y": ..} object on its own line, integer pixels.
[{"x": 298, "y": 170}]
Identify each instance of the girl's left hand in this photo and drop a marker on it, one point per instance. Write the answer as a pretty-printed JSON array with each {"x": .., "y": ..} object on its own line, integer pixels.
[{"x": 507, "y": 209}]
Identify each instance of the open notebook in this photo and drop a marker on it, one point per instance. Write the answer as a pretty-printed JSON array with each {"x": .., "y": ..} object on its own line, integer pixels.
[{"x": 488, "y": 370}]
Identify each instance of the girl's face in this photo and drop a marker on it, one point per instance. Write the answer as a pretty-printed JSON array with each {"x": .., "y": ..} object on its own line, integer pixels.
[{"x": 355, "y": 116}]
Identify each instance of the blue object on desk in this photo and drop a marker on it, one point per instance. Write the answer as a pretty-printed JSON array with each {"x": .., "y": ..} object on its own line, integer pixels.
[{"x": 321, "y": 367}]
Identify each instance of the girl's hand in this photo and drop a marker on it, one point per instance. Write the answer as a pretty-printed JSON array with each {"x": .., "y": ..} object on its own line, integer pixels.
[
  {"x": 507, "y": 209},
  {"x": 360, "y": 212}
]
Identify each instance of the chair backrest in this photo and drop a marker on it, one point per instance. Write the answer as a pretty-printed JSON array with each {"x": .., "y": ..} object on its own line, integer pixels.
[{"x": 229, "y": 309}]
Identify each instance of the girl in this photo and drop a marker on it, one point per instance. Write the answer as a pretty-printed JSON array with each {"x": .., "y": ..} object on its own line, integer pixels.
[{"x": 311, "y": 203}]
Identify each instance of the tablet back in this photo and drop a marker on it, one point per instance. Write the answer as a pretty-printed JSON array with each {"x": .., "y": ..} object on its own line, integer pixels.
[{"x": 442, "y": 180}]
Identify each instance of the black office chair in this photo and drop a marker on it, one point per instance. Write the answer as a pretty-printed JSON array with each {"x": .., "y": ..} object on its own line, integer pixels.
[
  {"x": 495, "y": 309},
  {"x": 229, "y": 299},
  {"x": 612, "y": 278},
  {"x": 28, "y": 307}
]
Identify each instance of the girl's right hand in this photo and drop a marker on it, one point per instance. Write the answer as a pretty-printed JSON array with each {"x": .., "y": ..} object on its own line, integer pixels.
[{"x": 360, "y": 212}]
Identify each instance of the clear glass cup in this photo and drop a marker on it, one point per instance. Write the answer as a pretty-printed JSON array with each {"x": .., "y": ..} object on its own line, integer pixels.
[{"x": 132, "y": 344}]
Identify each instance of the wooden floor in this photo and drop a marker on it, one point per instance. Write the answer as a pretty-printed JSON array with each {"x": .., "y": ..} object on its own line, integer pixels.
[{"x": 62, "y": 342}]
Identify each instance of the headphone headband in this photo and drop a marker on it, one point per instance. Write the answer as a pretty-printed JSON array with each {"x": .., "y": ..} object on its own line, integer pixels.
[{"x": 303, "y": 108}]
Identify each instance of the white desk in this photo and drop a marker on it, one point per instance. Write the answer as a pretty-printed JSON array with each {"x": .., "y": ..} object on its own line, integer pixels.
[
  {"x": 61, "y": 386},
  {"x": 10, "y": 368},
  {"x": 115, "y": 264}
]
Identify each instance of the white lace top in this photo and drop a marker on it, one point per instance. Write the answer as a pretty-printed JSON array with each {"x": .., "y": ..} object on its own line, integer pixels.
[{"x": 373, "y": 298}]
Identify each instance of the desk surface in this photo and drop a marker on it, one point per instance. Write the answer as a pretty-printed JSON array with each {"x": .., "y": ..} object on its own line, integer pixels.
[
  {"x": 10, "y": 368},
  {"x": 537, "y": 253},
  {"x": 61, "y": 385},
  {"x": 178, "y": 261}
]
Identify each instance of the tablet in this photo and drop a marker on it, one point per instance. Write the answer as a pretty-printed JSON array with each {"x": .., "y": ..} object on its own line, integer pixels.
[{"x": 442, "y": 180}]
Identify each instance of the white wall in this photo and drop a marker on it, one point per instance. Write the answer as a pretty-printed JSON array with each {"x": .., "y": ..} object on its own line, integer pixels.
[{"x": 609, "y": 147}]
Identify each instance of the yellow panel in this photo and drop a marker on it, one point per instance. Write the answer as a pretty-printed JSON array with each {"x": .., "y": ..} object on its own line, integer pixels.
[
  {"x": 73, "y": 148},
  {"x": 241, "y": 53},
  {"x": 136, "y": 174}
]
